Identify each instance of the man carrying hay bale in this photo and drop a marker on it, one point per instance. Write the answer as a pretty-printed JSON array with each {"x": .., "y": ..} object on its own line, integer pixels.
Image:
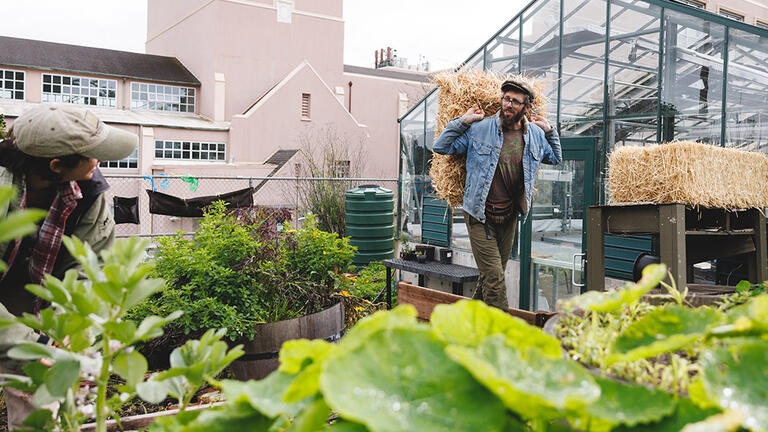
[{"x": 503, "y": 156}]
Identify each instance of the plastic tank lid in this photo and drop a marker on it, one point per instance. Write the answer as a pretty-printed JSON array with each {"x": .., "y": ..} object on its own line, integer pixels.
[{"x": 369, "y": 191}]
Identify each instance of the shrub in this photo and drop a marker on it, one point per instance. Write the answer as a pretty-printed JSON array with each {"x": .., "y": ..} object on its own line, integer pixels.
[
  {"x": 239, "y": 270},
  {"x": 317, "y": 254}
]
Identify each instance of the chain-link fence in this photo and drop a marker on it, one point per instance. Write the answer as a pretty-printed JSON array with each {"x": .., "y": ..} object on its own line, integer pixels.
[{"x": 140, "y": 200}]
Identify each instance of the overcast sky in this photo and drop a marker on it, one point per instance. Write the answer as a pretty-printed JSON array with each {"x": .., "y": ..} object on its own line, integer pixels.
[{"x": 446, "y": 32}]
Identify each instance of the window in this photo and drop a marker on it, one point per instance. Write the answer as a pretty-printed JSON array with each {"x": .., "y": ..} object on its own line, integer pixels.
[
  {"x": 79, "y": 90},
  {"x": 284, "y": 10},
  {"x": 693, "y": 3},
  {"x": 341, "y": 168},
  {"x": 761, "y": 24},
  {"x": 190, "y": 150},
  {"x": 11, "y": 84},
  {"x": 159, "y": 97},
  {"x": 131, "y": 161},
  {"x": 306, "y": 100},
  {"x": 732, "y": 15}
]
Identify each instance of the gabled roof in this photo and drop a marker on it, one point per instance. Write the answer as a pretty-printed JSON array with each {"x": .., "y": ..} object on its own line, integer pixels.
[{"x": 28, "y": 53}]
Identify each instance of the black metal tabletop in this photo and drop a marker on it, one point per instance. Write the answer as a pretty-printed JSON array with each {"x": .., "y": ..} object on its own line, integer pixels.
[{"x": 451, "y": 272}]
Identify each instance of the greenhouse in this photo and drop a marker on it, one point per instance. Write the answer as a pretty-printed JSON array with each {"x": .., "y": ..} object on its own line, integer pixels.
[{"x": 617, "y": 73}]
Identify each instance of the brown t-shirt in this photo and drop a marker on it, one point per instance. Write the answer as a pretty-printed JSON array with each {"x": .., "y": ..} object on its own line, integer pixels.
[{"x": 508, "y": 182}]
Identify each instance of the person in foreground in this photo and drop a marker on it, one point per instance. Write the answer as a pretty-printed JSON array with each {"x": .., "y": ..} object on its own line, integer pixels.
[
  {"x": 52, "y": 155},
  {"x": 503, "y": 156}
]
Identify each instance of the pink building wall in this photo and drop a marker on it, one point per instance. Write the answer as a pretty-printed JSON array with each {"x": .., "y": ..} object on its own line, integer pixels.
[
  {"x": 378, "y": 102},
  {"x": 244, "y": 41},
  {"x": 275, "y": 122}
]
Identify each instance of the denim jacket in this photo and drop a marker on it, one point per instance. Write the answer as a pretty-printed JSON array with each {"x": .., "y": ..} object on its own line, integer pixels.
[{"x": 481, "y": 142}]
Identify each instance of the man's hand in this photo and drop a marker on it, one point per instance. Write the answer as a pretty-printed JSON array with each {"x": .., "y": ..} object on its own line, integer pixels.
[
  {"x": 542, "y": 122},
  {"x": 472, "y": 115}
]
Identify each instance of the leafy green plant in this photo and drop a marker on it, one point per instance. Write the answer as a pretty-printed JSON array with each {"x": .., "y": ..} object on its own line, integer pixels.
[
  {"x": 2, "y": 126},
  {"x": 239, "y": 270},
  {"x": 93, "y": 340},
  {"x": 317, "y": 254},
  {"x": 366, "y": 283},
  {"x": 17, "y": 223},
  {"x": 476, "y": 368}
]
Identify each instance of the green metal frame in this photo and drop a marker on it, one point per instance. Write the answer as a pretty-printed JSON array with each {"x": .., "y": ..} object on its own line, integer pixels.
[
  {"x": 575, "y": 149},
  {"x": 603, "y": 144}
]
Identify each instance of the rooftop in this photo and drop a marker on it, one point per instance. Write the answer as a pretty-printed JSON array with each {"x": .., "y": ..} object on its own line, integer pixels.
[{"x": 28, "y": 53}]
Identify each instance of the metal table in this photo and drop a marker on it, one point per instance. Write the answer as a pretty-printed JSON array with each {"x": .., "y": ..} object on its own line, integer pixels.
[{"x": 457, "y": 274}]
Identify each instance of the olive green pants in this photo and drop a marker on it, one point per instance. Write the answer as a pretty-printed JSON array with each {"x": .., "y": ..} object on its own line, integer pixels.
[{"x": 491, "y": 256}]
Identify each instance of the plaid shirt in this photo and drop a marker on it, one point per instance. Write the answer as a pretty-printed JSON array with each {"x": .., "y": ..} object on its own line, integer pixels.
[{"x": 48, "y": 243}]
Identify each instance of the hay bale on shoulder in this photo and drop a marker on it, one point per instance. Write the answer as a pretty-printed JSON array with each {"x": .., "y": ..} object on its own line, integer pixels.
[
  {"x": 688, "y": 173},
  {"x": 460, "y": 91}
]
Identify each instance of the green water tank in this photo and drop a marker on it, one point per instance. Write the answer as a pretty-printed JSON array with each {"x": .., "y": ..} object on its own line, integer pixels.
[{"x": 370, "y": 223}]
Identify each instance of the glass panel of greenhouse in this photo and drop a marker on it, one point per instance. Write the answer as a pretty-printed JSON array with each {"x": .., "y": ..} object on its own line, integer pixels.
[{"x": 618, "y": 72}]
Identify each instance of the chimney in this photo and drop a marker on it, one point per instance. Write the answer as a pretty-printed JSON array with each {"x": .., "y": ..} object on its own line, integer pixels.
[
  {"x": 376, "y": 63},
  {"x": 389, "y": 56}
]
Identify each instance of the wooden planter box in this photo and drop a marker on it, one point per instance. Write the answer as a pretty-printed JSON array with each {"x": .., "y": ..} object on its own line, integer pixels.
[
  {"x": 262, "y": 353},
  {"x": 425, "y": 299},
  {"x": 141, "y": 421}
]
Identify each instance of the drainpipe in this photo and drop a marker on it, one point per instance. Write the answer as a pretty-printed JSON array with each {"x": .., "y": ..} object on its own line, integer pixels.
[
  {"x": 349, "y": 105},
  {"x": 123, "y": 93}
]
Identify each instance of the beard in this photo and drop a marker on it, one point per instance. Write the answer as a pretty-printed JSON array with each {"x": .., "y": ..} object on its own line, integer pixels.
[{"x": 511, "y": 122}]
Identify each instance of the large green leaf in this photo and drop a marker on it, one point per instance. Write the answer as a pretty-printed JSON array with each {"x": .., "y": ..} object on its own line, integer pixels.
[
  {"x": 750, "y": 317},
  {"x": 265, "y": 395},
  {"x": 469, "y": 322},
  {"x": 232, "y": 417},
  {"x": 736, "y": 377},
  {"x": 686, "y": 412},
  {"x": 295, "y": 354},
  {"x": 131, "y": 366},
  {"x": 312, "y": 418},
  {"x": 403, "y": 316},
  {"x": 727, "y": 421},
  {"x": 61, "y": 377},
  {"x": 305, "y": 358},
  {"x": 346, "y": 426},
  {"x": 400, "y": 379},
  {"x": 665, "y": 329},
  {"x": 624, "y": 403},
  {"x": 19, "y": 223},
  {"x": 152, "y": 326},
  {"x": 534, "y": 386},
  {"x": 611, "y": 301},
  {"x": 31, "y": 351}
]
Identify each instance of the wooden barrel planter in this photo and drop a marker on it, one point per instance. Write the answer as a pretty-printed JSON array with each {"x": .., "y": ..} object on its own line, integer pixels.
[{"x": 262, "y": 352}]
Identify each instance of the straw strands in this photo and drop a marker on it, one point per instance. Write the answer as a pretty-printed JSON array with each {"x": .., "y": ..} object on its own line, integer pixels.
[
  {"x": 460, "y": 91},
  {"x": 688, "y": 173}
]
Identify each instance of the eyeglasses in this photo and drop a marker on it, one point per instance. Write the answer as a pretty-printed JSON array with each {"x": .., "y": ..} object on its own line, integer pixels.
[{"x": 514, "y": 102}]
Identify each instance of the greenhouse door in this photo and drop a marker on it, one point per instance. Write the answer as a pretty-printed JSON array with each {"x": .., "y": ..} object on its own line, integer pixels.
[{"x": 553, "y": 239}]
